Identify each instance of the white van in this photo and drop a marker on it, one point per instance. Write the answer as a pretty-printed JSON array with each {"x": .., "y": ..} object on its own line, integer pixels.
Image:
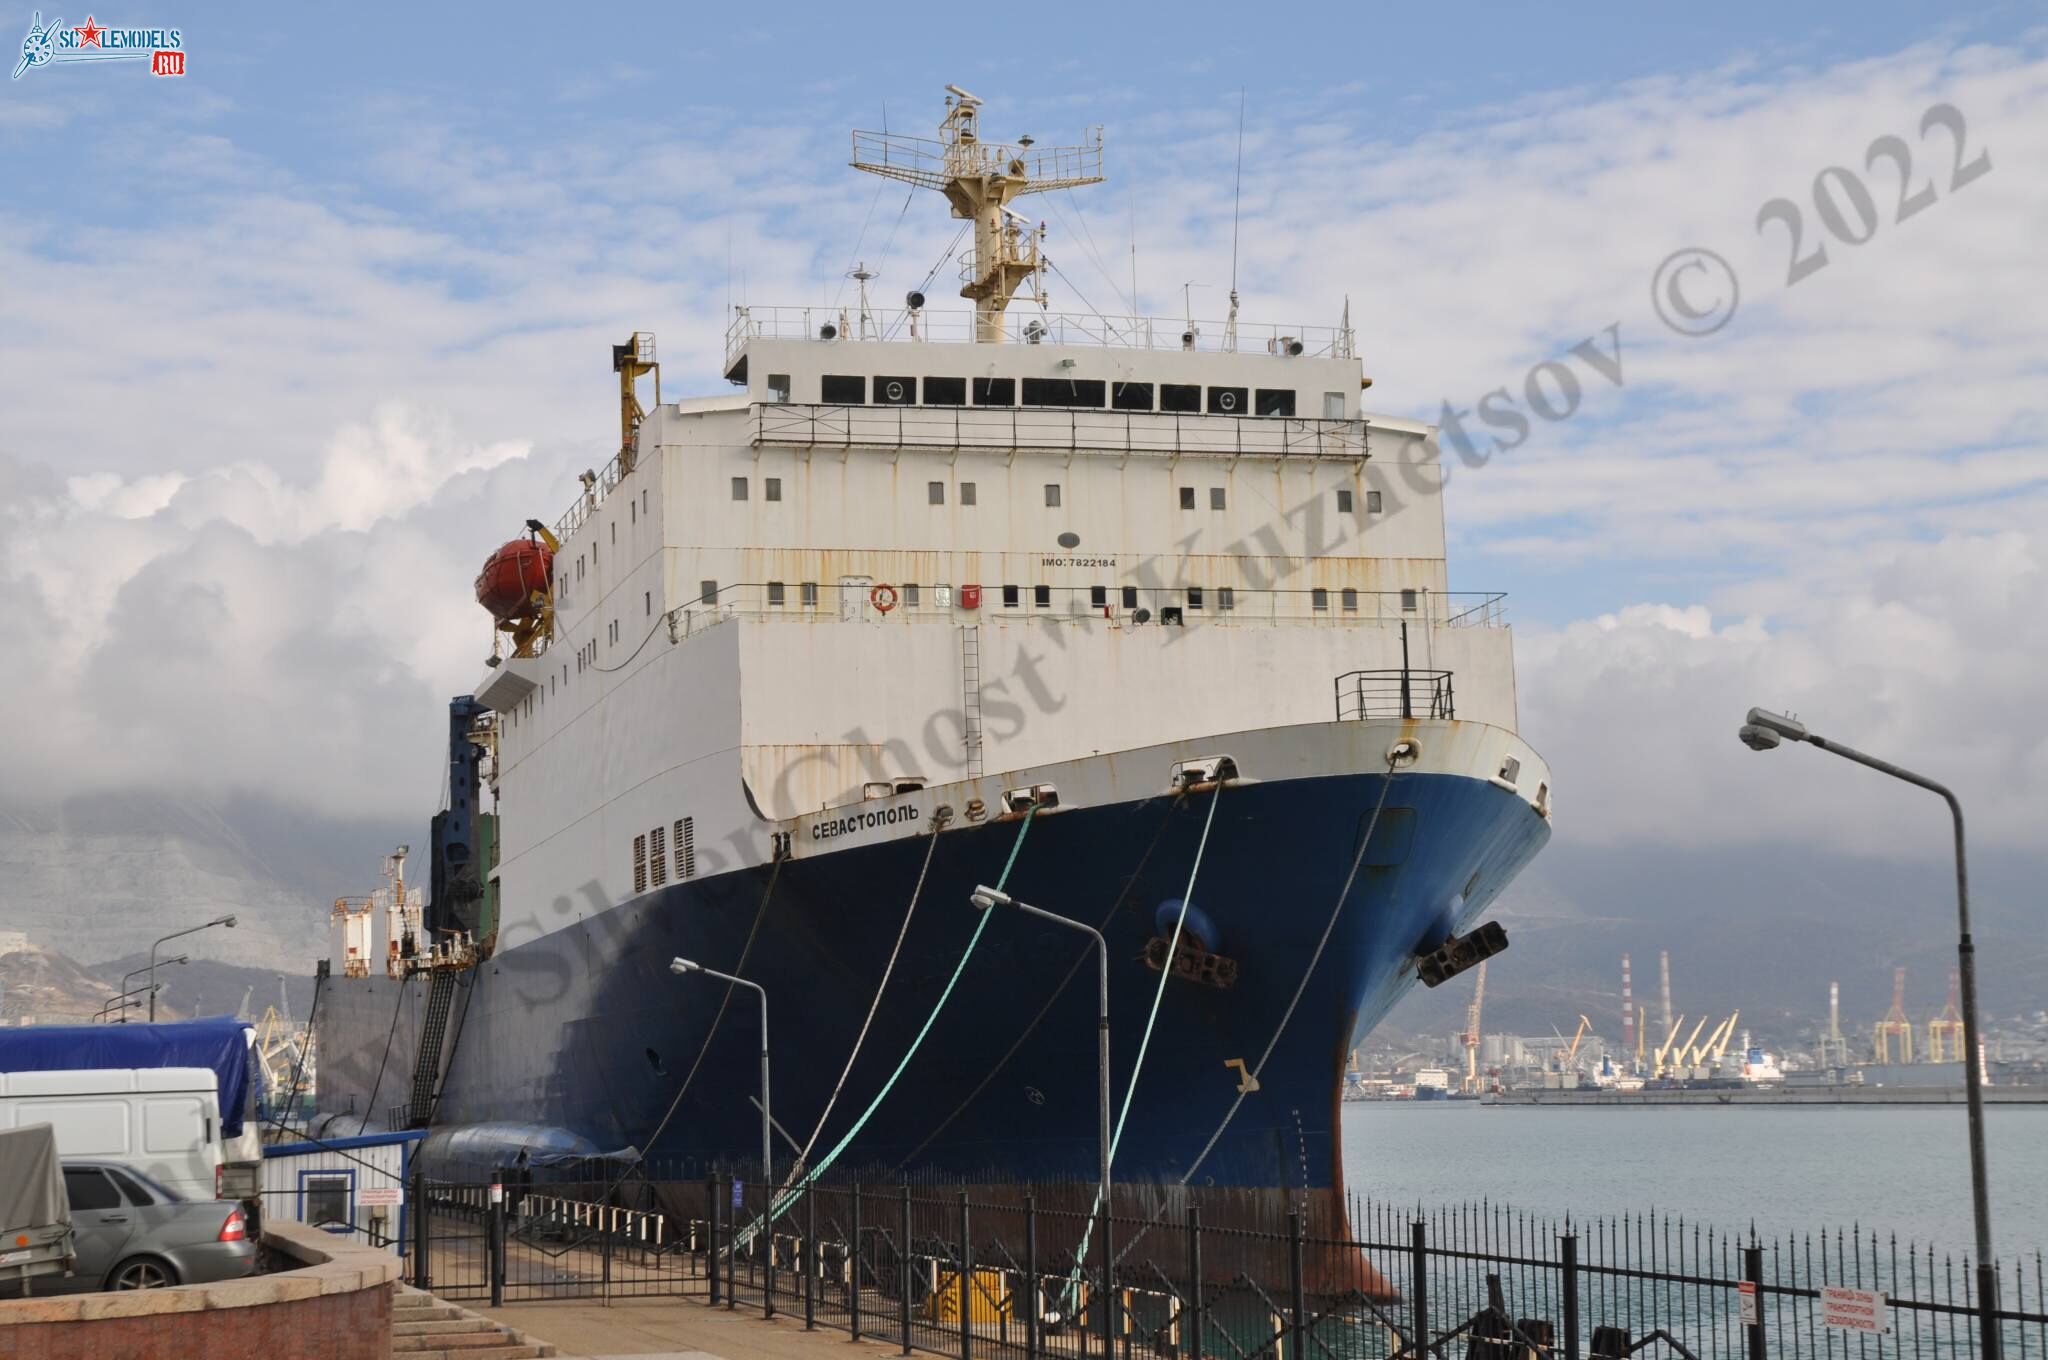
[{"x": 163, "y": 1121}]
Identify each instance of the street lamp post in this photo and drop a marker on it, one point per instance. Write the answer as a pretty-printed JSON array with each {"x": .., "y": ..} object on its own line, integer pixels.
[
  {"x": 227, "y": 921},
  {"x": 985, "y": 897},
  {"x": 123, "y": 1004},
  {"x": 138, "y": 972},
  {"x": 681, "y": 966},
  {"x": 1763, "y": 732}
]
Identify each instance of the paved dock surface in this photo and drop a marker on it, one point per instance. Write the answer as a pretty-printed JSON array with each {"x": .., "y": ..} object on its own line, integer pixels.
[{"x": 678, "y": 1327}]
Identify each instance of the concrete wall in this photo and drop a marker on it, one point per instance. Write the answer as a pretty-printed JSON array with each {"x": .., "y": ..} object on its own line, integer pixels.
[{"x": 336, "y": 1306}]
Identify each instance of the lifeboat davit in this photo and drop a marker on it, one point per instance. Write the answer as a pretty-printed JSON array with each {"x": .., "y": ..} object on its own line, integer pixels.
[{"x": 510, "y": 577}]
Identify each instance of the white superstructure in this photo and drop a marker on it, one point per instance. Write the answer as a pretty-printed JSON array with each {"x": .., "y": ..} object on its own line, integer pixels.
[{"x": 881, "y": 564}]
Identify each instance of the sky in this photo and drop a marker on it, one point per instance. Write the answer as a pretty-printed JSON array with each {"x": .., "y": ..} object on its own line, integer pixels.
[{"x": 289, "y": 342}]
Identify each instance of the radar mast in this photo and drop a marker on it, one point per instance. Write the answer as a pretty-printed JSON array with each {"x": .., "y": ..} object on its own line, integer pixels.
[{"x": 980, "y": 179}]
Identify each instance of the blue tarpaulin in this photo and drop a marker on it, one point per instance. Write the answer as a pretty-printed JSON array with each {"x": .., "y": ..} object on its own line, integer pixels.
[{"x": 220, "y": 1042}]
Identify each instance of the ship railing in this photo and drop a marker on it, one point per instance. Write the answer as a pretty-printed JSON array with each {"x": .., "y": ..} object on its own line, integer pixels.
[
  {"x": 1397, "y": 693},
  {"x": 1032, "y": 326},
  {"x": 1057, "y": 430},
  {"x": 1112, "y": 603},
  {"x": 596, "y": 486}
]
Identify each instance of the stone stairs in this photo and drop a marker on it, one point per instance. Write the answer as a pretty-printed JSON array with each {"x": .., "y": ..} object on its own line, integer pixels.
[{"x": 425, "y": 1328}]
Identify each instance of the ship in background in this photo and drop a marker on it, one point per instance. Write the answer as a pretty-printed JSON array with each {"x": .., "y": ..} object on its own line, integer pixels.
[{"x": 1146, "y": 622}]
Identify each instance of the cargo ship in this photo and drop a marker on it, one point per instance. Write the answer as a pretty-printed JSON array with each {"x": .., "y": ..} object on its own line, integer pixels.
[{"x": 1143, "y": 622}]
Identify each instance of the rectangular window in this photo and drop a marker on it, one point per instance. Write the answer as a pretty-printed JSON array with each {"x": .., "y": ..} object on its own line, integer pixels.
[
  {"x": 808, "y": 594},
  {"x": 911, "y": 595},
  {"x": 1041, "y": 596},
  {"x": 945, "y": 391},
  {"x": 1408, "y": 601},
  {"x": 1065, "y": 391},
  {"x": 327, "y": 1199},
  {"x": 1131, "y": 397},
  {"x": 657, "y": 856},
  {"x": 1274, "y": 401},
  {"x": 615, "y": 539},
  {"x": 1187, "y": 498},
  {"x": 633, "y": 511},
  {"x": 1098, "y": 597},
  {"x": 895, "y": 391},
  {"x": 775, "y": 592},
  {"x": 1343, "y": 500},
  {"x": 1350, "y": 599},
  {"x": 686, "y": 847},
  {"x": 967, "y": 493},
  {"x": 778, "y": 387},
  {"x": 1228, "y": 401},
  {"x": 1319, "y": 598},
  {"x": 1333, "y": 406},
  {"x": 647, "y": 603},
  {"x": 1194, "y": 597},
  {"x": 1372, "y": 502},
  {"x": 771, "y": 489},
  {"x": 1052, "y": 494},
  {"x": 1182, "y": 397},
  {"x": 841, "y": 390},
  {"x": 935, "y": 493},
  {"x": 707, "y": 591},
  {"x": 640, "y": 864},
  {"x": 1130, "y": 597},
  {"x": 1009, "y": 597},
  {"x": 1216, "y": 498},
  {"x": 995, "y": 391},
  {"x": 739, "y": 489},
  {"x": 1226, "y": 598}
]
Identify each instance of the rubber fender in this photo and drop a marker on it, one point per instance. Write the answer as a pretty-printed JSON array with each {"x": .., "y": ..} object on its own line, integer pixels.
[{"x": 1197, "y": 925}]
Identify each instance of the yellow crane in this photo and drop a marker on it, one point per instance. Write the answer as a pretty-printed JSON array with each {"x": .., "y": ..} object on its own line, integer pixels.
[
  {"x": 1727, "y": 1033},
  {"x": 1685, "y": 1050},
  {"x": 1670, "y": 1039},
  {"x": 1571, "y": 1053}
]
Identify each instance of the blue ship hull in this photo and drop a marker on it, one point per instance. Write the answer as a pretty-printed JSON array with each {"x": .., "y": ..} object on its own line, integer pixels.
[{"x": 586, "y": 1033}]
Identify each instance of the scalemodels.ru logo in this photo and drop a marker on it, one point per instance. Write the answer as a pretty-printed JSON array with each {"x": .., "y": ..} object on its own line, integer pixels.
[{"x": 60, "y": 44}]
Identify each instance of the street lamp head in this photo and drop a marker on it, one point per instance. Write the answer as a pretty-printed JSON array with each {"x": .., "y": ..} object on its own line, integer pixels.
[
  {"x": 227, "y": 921},
  {"x": 1759, "y": 738},
  {"x": 984, "y": 897},
  {"x": 682, "y": 966},
  {"x": 1789, "y": 728}
]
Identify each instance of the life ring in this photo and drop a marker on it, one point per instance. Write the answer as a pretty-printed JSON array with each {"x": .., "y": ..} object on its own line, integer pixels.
[{"x": 883, "y": 598}]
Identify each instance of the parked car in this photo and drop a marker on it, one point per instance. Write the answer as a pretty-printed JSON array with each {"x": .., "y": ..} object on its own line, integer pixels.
[{"x": 133, "y": 1233}]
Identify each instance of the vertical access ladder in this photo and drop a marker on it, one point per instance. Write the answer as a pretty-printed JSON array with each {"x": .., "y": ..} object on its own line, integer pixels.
[
  {"x": 970, "y": 696},
  {"x": 426, "y": 1068}
]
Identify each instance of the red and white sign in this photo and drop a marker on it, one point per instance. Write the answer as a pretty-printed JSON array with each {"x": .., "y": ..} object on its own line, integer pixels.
[
  {"x": 389, "y": 1196},
  {"x": 1748, "y": 1300},
  {"x": 166, "y": 63},
  {"x": 1854, "y": 1310}
]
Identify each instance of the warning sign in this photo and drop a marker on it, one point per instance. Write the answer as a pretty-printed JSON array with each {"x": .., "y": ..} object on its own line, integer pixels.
[
  {"x": 389, "y": 1196},
  {"x": 1854, "y": 1310},
  {"x": 1750, "y": 1316}
]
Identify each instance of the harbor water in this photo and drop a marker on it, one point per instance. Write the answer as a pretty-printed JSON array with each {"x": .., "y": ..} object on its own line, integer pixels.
[{"x": 1789, "y": 1169}]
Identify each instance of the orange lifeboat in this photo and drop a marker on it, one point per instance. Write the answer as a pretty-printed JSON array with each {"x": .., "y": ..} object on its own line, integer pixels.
[{"x": 510, "y": 577}]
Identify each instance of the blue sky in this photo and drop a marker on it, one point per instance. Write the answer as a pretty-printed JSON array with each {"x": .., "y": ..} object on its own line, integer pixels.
[{"x": 337, "y": 300}]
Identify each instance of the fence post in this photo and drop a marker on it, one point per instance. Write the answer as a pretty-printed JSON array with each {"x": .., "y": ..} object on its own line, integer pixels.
[
  {"x": 1418, "y": 1252},
  {"x": 732, "y": 1253},
  {"x": 810, "y": 1259},
  {"x": 853, "y": 1268},
  {"x": 1030, "y": 1277},
  {"x": 711, "y": 1235},
  {"x": 903, "y": 1272},
  {"x": 966, "y": 1285},
  {"x": 1192, "y": 1309},
  {"x": 1296, "y": 1297},
  {"x": 421, "y": 1212},
  {"x": 766, "y": 1237},
  {"x": 1108, "y": 1287},
  {"x": 497, "y": 1240},
  {"x": 1753, "y": 1272},
  {"x": 1570, "y": 1249}
]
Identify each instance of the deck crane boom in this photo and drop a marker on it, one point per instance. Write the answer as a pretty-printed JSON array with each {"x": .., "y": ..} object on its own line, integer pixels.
[
  {"x": 1670, "y": 1038},
  {"x": 1727, "y": 1033}
]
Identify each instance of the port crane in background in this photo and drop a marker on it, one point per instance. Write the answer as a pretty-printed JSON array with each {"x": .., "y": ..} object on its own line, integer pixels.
[
  {"x": 1945, "y": 1031},
  {"x": 1834, "y": 1048},
  {"x": 1571, "y": 1052},
  {"x": 1719, "y": 1043},
  {"x": 1670, "y": 1041},
  {"x": 1895, "y": 1025},
  {"x": 1471, "y": 1083}
]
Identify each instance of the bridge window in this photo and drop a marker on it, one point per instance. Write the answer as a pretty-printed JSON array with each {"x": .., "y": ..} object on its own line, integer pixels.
[
  {"x": 1041, "y": 596},
  {"x": 1098, "y": 597},
  {"x": 967, "y": 493},
  {"x": 1372, "y": 502},
  {"x": 1216, "y": 501},
  {"x": 739, "y": 488},
  {"x": 1343, "y": 500},
  {"x": 1319, "y": 598},
  {"x": 707, "y": 591},
  {"x": 945, "y": 391},
  {"x": 808, "y": 594},
  {"x": 1052, "y": 494},
  {"x": 910, "y": 597},
  {"x": 1180, "y": 397},
  {"x": 771, "y": 489},
  {"x": 1333, "y": 406},
  {"x": 1187, "y": 498},
  {"x": 1228, "y": 401},
  {"x": 776, "y": 593},
  {"x": 995, "y": 391},
  {"x": 1350, "y": 599},
  {"x": 1226, "y": 598},
  {"x": 1194, "y": 597},
  {"x": 838, "y": 389},
  {"x": 1009, "y": 597},
  {"x": 1275, "y": 401},
  {"x": 895, "y": 391},
  {"x": 778, "y": 387},
  {"x": 1130, "y": 597},
  {"x": 1408, "y": 601},
  {"x": 935, "y": 493},
  {"x": 1065, "y": 391},
  {"x": 1131, "y": 397}
]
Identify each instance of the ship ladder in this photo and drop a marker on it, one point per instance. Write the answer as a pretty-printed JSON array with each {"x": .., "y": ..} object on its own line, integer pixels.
[
  {"x": 970, "y": 696},
  {"x": 426, "y": 1067}
]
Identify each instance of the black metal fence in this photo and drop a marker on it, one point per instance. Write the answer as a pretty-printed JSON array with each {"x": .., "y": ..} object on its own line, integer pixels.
[{"x": 1022, "y": 1276}]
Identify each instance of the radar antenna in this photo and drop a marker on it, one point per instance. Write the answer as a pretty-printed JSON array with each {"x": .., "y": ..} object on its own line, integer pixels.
[{"x": 980, "y": 179}]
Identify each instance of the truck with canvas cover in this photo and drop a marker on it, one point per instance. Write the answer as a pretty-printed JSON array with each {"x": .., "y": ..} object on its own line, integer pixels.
[{"x": 35, "y": 1213}]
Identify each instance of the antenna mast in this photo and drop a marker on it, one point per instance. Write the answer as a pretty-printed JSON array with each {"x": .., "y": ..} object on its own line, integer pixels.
[
  {"x": 979, "y": 180},
  {"x": 1236, "y": 198}
]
